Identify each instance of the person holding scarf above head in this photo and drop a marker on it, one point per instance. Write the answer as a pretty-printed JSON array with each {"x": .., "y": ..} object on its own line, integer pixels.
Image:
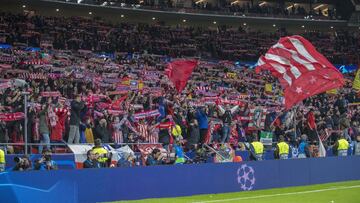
[{"x": 226, "y": 114}]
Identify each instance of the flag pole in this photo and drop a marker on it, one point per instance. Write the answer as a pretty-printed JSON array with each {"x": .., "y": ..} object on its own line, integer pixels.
[
  {"x": 295, "y": 114},
  {"x": 25, "y": 122}
]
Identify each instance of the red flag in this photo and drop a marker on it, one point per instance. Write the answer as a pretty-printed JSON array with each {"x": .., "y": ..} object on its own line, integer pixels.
[
  {"x": 311, "y": 120},
  {"x": 301, "y": 70},
  {"x": 179, "y": 72},
  {"x": 116, "y": 103}
]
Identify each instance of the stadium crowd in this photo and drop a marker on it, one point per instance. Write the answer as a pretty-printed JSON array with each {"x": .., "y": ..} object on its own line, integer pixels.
[
  {"x": 224, "y": 7},
  {"x": 78, "y": 93}
]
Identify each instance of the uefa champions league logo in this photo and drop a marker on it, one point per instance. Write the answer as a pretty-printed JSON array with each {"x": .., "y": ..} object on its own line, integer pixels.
[{"x": 246, "y": 177}]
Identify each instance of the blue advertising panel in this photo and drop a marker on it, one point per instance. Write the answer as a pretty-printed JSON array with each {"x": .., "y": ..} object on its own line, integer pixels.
[{"x": 99, "y": 185}]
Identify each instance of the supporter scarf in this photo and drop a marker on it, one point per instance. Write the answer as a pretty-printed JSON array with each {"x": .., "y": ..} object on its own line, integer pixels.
[
  {"x": 117, "y": 92},
  {"x": 146, "y": 114},
  {"x": 4, "y": 86},
  {"x": 51, "y": 94},
  {"x": 34, "y": 76},
  {"x": 7, "y": 58},
  {"x": 116, "y": 112},
  {"x": 232, "y": 102},
  {"x": 33, "y": 62},
  {"x": 122, "y": 88},
  {"x": 5, "y": 66},
  {"x": 55, "y": 75},
  {"x": 165, "y": 125},
  {"x": 11, "y": 116}
]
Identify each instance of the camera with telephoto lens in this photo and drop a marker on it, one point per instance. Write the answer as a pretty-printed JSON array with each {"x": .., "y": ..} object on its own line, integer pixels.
[
  {"x": 17, "y": 159},
  {"x": 47, "y": 157}
]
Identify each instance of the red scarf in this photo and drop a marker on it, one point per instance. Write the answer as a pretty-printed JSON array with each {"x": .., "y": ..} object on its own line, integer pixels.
[{"x": 11, "y": 116}]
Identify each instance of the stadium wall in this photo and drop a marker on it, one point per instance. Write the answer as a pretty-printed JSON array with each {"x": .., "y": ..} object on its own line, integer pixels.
[{"x": 99, "y": 185}]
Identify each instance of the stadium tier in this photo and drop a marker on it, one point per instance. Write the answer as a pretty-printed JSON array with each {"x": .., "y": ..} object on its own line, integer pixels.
[{"x": 207, "y": 87}]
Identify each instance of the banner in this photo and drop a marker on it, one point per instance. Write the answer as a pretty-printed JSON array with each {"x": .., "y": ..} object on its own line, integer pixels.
[
  {"x": 266, "y": 138},
  {"x": 80, "y": 153}
]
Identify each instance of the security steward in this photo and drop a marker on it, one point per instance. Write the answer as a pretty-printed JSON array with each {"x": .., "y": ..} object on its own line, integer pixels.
[
  {"x": 256, "y": 149},
  {"x": 282, "y": 149},
  {"x": 101, "y": 153},
  {"x": 341, "y": 146}
]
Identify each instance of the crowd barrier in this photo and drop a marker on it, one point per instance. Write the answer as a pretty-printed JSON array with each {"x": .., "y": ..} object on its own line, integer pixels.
[{"x": 111, "y": 184}]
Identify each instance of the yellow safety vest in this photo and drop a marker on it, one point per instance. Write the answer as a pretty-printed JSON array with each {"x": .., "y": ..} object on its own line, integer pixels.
[
  {"x": 176, "y": 131},
  {"x": 2, "y": 156},
  {"x": 258, "y": 147},
  {"x": 283, "y": 148},
  {"x": 343, "y": 144},
  {"x": 101, "y": 151}
]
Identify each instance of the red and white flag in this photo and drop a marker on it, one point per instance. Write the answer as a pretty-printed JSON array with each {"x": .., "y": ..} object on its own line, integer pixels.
[{"x": 301, "y": 70}]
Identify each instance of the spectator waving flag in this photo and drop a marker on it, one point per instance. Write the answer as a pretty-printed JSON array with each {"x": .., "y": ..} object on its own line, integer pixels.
[
  {"x": 301, "y": 70},
  {"x": 179, "y": 72}
]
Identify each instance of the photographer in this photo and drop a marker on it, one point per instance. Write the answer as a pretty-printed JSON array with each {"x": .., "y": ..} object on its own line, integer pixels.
[
  {"x": 22, "y": 164},
  {"x": 45, "y": 163},
  {"x": 155, "y": 158}
]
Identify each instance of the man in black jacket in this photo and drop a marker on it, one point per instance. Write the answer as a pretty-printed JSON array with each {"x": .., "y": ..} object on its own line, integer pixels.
[
  {"x": 102, "y": 132},
  {"x": 91, "y": 161},
  {"x": 76, "y": 106}
]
